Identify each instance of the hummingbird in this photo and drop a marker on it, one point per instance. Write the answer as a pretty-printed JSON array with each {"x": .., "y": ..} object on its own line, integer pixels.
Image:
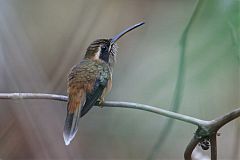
[{"x": 90, "y": 81}]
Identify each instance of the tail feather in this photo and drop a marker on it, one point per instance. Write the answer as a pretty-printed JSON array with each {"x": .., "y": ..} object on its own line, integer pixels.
[
  {"x": 75, "y": 103},
  {"x": 71, "y": 126}
]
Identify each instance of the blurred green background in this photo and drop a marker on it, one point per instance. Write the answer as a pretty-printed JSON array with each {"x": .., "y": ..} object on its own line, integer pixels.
[{"x": 41, "y": 40}]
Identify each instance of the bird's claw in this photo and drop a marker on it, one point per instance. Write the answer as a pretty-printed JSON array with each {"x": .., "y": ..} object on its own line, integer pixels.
[{"x": 100, "y": 102}]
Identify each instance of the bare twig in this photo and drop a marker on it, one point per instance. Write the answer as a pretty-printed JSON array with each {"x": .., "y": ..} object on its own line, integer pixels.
[
  {"x": 213, "y": 140},
  {"x": 33, "y": 96},
  {"x": 222, "y": 120},
  {"x": 206, "y": 129},
  {"x": 190, "y": 147},
  {"x": 209, "y": 131},
  {"x": 148, "y": 108}
]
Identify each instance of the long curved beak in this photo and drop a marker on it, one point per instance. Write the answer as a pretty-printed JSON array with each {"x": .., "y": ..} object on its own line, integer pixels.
[{"x": 116, "y": 37}]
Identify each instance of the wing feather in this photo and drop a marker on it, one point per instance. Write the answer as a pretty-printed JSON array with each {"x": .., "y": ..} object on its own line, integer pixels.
[
  {"x": 99, "y": 85},
  {"x": 92, "y": 97}
]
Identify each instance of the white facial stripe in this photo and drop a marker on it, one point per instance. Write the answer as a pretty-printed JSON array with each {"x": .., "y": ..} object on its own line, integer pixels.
[{"x": 98, "y": 53}]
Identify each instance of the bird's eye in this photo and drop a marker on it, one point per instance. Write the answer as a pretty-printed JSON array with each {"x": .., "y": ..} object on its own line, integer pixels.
[{"x": 104, "y": 47}]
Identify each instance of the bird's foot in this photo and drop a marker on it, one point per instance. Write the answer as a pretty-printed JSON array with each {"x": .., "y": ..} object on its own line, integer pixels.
[{"x": 100, "y": 102}]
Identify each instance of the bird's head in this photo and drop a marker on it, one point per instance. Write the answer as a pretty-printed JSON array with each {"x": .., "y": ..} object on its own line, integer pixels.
[
  {"x": 102, "y": 49},
  {"x": 106, "y": 49}
]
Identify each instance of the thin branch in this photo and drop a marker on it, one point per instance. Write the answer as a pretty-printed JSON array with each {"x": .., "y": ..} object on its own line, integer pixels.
[
  {"x": 33, "y": 96},
  {"x": 156, "y": 110},
  {"x": 222, "y": 120},
  {"x": 213, "y": 141},
  {"x": 190, "y": 147},
  {"x": 206, "y": 129},
  {"x": 148, "y": 108},
  {"x": 209, "y": 131}
]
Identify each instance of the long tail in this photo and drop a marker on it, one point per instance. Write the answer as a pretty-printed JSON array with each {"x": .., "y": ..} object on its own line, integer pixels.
[
  {"x": 71, "y": 125},
  {"x": 75, "y": 103}
]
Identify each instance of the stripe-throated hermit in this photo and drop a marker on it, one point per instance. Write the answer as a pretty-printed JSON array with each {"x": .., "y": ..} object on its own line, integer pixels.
[{"x": 90, "y": 81}]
